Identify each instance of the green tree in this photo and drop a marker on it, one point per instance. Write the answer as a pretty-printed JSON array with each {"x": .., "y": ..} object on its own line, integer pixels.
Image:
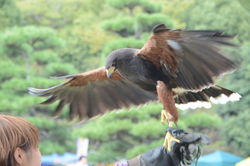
[
  {"x": 9, "y": 14},
  {"x": 245, "y": 4},
  {"x": 236, "y": 115},
  {"x": 76, "y": 21},
  {"x": 177, "y": 10},
  {"x": 219, "y": 15},
  {"x": 137, "y": 17},
  {"x": 28, "y": 57},
  {"x": 133, "y": 23}
]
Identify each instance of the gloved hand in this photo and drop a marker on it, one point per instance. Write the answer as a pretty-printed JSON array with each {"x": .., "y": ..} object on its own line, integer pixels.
[{"x": 182, "y": 154}]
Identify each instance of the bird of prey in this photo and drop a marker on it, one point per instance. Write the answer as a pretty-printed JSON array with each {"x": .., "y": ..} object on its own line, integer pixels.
[{"x": 171, "y": 59}]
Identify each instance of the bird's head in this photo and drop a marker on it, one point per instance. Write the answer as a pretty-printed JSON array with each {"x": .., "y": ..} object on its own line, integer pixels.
[
  {"x": 119, "y": 60},
  {"x": 111, "y": 63}
]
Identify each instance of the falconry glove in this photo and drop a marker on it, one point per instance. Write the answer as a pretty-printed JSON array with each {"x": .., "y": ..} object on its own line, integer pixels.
[{"x": 182, "y": 154}]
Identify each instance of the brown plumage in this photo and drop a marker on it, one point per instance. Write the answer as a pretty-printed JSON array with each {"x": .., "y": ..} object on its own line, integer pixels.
[
  {"x": 170, "y": 59},
  {"x": 159, "y": 51},
  {"x": 166, "y": 97},
  {"x": 92, "y": 93}
]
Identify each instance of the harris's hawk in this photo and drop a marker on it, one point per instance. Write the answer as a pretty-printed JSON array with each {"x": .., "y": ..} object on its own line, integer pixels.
[{"x": 171, "y": 59}]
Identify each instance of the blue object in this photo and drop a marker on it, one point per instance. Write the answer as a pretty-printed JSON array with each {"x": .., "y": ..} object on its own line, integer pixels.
[
  {"x": 51, "y": 159},
  {"x": 58, "y": 159},
  {"x": 219, "y": 158},
  {"x": 69, "y": 157}
]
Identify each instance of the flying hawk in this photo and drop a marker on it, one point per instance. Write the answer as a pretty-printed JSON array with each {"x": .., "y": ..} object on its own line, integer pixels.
[{"x": 170, "y": 60}]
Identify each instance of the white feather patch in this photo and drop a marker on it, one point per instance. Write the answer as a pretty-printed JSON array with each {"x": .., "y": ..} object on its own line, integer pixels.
[
  {"x": 194, "y": 105},
  {"x": 223, "y": 99}
]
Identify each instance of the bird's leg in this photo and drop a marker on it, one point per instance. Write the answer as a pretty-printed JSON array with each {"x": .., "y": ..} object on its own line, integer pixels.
[
  {"x": 169, "y": 137},
  {"x": 170, "y": 113}
]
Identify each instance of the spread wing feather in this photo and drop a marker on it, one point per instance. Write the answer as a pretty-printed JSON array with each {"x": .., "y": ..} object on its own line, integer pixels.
[
  {"x": 215, "y": 94},
  {"x": 191, "y": 58},
  {"x": 92, "y": 93}
]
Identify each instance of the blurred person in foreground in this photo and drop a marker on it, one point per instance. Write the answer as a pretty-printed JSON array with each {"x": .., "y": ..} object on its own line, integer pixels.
[
  {"x": 18, "y": 142},
  {"x": 182, "y": 154}
]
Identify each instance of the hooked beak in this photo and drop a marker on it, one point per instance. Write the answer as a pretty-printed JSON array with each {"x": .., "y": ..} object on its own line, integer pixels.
[{"x": 110, "y": 71}]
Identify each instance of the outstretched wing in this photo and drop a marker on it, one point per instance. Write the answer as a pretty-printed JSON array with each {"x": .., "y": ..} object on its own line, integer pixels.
[
  {"x": 92, "y": 93},
  {"x": 190, "y": 58}
]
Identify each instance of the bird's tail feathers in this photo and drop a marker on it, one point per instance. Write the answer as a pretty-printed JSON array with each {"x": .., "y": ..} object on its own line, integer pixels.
[{"x": 214, "y": 94}]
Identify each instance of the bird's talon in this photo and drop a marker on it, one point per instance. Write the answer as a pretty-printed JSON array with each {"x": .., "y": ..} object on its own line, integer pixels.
[
  {"x": 171, "y": 134},
  {"x": 169, "y": 138},
  {"x": 164, "y": 116}
]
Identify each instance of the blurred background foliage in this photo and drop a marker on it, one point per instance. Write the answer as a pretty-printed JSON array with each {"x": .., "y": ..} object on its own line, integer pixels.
[{"x": 44, "y": 38}]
